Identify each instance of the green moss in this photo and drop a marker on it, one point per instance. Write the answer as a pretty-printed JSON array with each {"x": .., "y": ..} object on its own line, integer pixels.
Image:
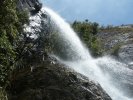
[
  {"x": 3, "y": 95},
  {"x": 115, "y": 50}
]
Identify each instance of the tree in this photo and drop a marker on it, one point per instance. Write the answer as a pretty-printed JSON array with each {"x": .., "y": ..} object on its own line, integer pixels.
[
  {"x": 95, "y": 28},
  {"x": 11, "y": 28},
  {"x": 8, "y": 32},
  {"x": 87, "y": 32}
]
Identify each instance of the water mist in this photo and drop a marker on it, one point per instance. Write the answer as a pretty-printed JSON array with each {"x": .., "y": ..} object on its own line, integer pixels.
[{"x": 113, "y": 76}]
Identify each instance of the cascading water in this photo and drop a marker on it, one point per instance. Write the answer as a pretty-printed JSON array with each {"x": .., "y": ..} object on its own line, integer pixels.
[{"x": 114, "y": 77}]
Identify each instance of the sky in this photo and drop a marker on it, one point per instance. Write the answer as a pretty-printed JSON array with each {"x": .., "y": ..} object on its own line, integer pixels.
[{"x": 105, "y": 12}]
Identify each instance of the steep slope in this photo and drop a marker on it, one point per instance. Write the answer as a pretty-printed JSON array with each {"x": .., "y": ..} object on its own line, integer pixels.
[
  {"x": 30, "y": 5},
  {"x": 53, "y": 81},
  {"x": 49, "y": 80},
  {"x": 119, "y": 42}
]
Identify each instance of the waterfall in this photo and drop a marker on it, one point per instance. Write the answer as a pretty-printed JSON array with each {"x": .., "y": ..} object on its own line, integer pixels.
[{"x": 114, "y": 76}]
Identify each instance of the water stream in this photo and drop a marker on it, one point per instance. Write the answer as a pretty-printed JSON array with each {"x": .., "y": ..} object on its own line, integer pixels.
[{"x": 114, "y": 77}]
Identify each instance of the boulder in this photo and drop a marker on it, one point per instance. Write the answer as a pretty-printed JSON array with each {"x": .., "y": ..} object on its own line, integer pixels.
[{"x": 50, "y": 81}]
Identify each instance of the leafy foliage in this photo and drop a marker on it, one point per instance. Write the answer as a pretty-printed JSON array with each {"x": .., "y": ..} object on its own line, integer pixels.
[
  {"x": 11, "y": 28},
  {"x": 3, "y": 94},
  {"x": 8, "y": 33},
  {"x": 118, "y": 29},
  {"x": 87, "y": 32}
]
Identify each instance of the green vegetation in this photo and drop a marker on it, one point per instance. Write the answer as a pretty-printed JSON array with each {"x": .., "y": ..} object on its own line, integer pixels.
[
  {"x": 11, "y": 29},
  {"x": 8, "y": 33},
  {"x": 3, "y": 94},
  {"x": 115, "y": 50},
  {"x": 87, "y": 31},
  {"x": 118, "y": 29}
]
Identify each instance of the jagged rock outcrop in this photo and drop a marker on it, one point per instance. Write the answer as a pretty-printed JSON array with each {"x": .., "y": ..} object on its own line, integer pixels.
[
  {"x": 118, "y": 44},
  {"x": 30, "y": 5},
  {"x": 126, "y": 53},
  {"x": 53, "y": 81}
]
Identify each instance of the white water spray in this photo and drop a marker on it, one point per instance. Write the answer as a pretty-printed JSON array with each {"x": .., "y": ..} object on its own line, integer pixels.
[{"x": 113, "y": 76}]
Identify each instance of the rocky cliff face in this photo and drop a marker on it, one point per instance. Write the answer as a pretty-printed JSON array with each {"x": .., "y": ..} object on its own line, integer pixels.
[
  {"x": 49, "y": 80},
  {"x": 30, "y": 5},
  {"x": 119, "y": 43},
  {"x": 53, "y": 81}
]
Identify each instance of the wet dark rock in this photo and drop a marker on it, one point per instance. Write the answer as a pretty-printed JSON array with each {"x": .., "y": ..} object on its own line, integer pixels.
[
  {"x": 53, "y": 82},
  {"x": 33, "y": 6}
]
